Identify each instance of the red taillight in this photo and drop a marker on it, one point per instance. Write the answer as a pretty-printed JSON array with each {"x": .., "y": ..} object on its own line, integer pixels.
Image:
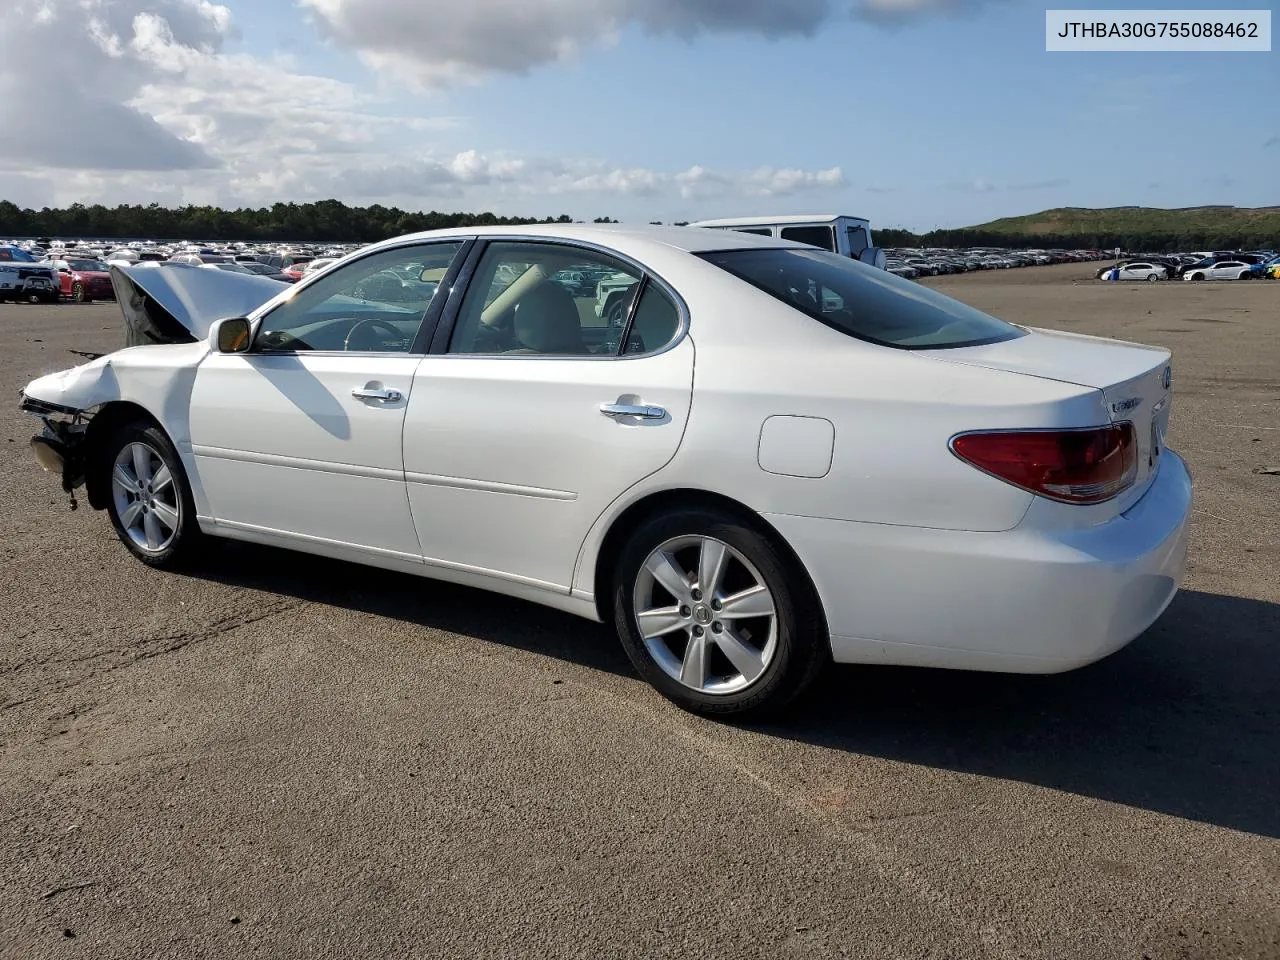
[{"x": 1074, "y": 466}]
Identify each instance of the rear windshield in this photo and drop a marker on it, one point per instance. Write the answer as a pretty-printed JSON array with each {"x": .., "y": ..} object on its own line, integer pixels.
[{"x": 862, "y": 301}]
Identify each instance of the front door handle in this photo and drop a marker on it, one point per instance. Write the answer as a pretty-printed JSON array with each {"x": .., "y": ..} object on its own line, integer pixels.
[
  {"x": 377, "y": 393},
  {"x": 641, "y": 411}
]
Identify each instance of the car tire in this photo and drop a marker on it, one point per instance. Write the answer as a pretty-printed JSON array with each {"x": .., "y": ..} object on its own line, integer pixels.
[
  {"x": 77, "y": 293},
  {"x": 152, "y": 510},
  {"x": 751, "y": 662},
  {"x": 1152, "y": 277},
  {"x": 1197, "y": 277}
]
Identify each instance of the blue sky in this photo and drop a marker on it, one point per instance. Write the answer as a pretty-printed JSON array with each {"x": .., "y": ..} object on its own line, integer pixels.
[{"x": 933, "y": 114}]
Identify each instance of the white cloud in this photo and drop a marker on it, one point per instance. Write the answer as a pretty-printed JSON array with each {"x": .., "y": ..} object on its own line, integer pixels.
[
  {"x": 441, "y": 42},
  {"x": 103, "y": 95},
  {"x": 517, "y": 183},
  {"x": 67, "y": 73}
]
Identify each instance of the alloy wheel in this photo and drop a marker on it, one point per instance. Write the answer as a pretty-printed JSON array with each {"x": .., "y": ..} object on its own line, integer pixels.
[
  {"x": 706, "y": 615},
  {"x": 146, "y": 498}
]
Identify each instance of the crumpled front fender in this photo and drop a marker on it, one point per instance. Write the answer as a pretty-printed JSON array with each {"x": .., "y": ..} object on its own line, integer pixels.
[
  {"x": 156, "y": 378},
  {"x": 75, "y": 389},
  {"x": 81, "y": 406}
]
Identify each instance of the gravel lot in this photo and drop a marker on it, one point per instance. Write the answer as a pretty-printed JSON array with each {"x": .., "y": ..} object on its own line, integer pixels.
[{"x": 282, "y": 756}]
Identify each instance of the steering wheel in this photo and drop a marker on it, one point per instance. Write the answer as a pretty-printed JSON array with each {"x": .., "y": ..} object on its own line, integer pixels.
[{"x": 369, "y": 324}]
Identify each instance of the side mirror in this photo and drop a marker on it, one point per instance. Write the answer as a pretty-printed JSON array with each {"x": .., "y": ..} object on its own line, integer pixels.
[
  {"x": 873, "y": 257},
  {"x": 231, "y": 335}
]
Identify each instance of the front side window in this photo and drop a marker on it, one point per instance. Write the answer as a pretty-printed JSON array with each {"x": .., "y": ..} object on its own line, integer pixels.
[
  {"x": 814, "y": 236},
  {"x": 375, "y": 304},
  {"x": 549, "y": 299},
  {"x": 861, "y": 301}
]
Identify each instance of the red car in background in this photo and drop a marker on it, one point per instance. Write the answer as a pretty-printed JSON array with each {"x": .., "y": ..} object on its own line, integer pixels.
[{"x": 85, "y": 280}]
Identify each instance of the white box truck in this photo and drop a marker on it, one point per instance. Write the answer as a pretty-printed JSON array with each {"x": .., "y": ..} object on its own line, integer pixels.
[{"x": 839, "y": 233}]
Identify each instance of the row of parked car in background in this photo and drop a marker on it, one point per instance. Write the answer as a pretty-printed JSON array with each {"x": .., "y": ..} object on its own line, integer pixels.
[
  {"x": 934, "y": 261},
  {"x": 46, "y": 272},
  {"x": 1195, "y": 267},
  {"x": 50, "y": 270}
]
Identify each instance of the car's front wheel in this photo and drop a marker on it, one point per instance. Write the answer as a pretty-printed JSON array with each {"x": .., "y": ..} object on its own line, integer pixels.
[
  {"x": 77, "y": 293},
  {"x": 150, "y": 501},
  {"x": 715, "y": 616}
]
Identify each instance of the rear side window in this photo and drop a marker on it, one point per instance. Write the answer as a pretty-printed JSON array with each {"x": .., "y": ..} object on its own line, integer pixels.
[
  {"x": 862, "y": 301},
  {"x": 655, "y": 322},
  {"x": 814, "y": 236}
]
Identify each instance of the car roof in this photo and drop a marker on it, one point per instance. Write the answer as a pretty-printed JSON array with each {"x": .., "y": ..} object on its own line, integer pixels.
[
  {"x": 621, "y": 236},
  {"x": 789, "y": 218}
]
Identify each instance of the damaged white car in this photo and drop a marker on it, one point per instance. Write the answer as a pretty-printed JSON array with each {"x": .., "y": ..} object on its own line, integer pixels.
[{"x": 855, "y": 467}]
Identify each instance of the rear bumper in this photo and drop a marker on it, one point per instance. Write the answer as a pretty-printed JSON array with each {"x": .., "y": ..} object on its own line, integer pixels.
[{"x": 1024, "y": 601}]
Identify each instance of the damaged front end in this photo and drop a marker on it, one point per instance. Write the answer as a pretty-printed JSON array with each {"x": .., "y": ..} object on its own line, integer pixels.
[
  {"x": 60, "y": 448},
  {"x": 168, "y": 310}
]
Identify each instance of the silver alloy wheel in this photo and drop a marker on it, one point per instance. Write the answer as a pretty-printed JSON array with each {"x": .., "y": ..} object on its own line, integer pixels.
[
  {"x": 146, "y": 497},
  {"x": 706, "y": 615}
]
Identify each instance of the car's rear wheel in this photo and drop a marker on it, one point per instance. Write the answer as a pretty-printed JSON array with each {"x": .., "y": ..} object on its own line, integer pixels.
[
  {"x": 715, "y": 616},
  {"x": 1152, "y": 278},
  {"x": 77, "y": 293},
  {"x": 150, "y": 504}
]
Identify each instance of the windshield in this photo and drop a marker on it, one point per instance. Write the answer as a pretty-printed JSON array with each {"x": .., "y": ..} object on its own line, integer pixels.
[
  {"x": 88, "y": 266},
  {"x": 864, "y": 302}
]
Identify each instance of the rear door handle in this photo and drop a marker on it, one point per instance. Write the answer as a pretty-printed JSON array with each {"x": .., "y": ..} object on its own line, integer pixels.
[
  {"x": 371, "y": 393},
  {"x": 640, "y": 411}
]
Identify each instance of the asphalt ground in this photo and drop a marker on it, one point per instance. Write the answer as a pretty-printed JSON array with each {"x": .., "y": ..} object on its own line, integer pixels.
[{"x": 281, "y": 756}]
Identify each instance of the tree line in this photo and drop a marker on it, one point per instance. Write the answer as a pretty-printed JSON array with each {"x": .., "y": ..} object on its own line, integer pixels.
[
  {"x": 325, "y": 221},
  {"x": 334, "y": 221}
]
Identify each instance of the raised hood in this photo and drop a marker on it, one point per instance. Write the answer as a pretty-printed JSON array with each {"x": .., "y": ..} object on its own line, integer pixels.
[{"x": 178, "y": 302}]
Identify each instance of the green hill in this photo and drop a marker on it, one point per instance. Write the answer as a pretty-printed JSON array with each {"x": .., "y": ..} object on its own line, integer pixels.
[
  {"x": 1133, "y": 228},
  {"x": 1079, "y": 221}
]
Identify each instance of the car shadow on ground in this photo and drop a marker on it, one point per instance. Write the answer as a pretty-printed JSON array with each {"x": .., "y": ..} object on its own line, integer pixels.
[
  {"x": 1185, "y": 721},
  {"x": 489, "y": 617}
]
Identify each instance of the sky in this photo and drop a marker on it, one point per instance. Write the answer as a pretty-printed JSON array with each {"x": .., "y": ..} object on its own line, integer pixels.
[{"x": 913, "y": 113}]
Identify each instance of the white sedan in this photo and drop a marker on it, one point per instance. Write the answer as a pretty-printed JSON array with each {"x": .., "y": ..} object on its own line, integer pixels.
[
  {"x": 770, "y": 457},
  {"x": 1222, "y": 270},
  {"x": 1140, "y": 270}
]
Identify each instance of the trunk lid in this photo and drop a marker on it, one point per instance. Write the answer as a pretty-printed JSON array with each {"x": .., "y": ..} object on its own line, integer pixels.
[{"x": 1134, "y": 380}]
